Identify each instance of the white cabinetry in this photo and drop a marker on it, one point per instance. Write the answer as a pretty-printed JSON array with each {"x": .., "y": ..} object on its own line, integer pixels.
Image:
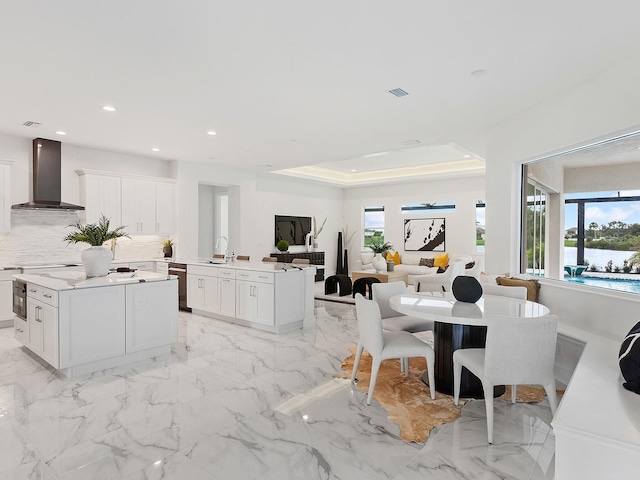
[
  {"x": 6, "y": 299},
  {"x": 139, "y": 205},
  {"x": 202, "y": 288},
  {"x": 165, "y": 207},
  {"x": 5, "y": 196},
  {"x": 254, "y": 297},
  {"x": 87, "y": 329},
  {"x": 93, "y": 325},
  {"x": 226, "y": 292},
  {"x": 42, "y": 319},
  {"x": 150, "y": 321},
  {"x": 145, "y": 205},
  {"x": 101, "y": 194}
]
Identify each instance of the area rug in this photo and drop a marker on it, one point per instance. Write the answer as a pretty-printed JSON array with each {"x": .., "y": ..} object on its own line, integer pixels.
[{"x": 407, "y": 399}]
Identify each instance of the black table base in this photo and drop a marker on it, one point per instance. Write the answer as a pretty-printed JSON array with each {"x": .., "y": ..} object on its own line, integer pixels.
[{"x": 449, "y": 337}]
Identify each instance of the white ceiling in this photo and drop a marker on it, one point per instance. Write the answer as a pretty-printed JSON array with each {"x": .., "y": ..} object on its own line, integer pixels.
[{"x": 295, "y": 83}]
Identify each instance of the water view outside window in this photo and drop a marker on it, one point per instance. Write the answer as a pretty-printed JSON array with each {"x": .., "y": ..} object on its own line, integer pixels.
[
  {"x": 373, "y": 225},
  {"x": 611, "y": 231}
]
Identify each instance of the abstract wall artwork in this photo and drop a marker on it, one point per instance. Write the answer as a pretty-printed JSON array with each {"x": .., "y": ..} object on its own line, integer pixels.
[{"x": 424, "y": 234}]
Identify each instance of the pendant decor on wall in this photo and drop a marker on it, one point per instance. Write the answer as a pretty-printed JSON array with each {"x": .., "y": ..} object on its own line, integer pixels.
[
  {"x": 339, "y": 262},
  {"x": 424, "y": 235}
]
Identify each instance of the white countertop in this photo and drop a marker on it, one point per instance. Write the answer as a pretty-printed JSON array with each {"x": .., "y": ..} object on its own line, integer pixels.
[
  {"x": 244, "y": 265},
  {"x": 63, "y": 280}
]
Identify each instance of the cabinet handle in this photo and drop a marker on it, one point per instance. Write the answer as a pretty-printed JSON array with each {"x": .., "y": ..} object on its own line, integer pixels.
[
  {"x": 260, "y": 276},
  {"x": 19, "y": 330},
  {"x": 38, "y": 314},
  {"x": 33, "y": 290},
  {"x": 46, "y": 296}
]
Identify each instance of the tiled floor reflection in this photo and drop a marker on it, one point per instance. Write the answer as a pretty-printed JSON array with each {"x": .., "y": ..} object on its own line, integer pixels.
[{"x": 236, "y": 403}]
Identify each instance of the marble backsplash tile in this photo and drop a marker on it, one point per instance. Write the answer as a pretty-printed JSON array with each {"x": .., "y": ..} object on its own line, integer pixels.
[{"x": 36, "y": 239}]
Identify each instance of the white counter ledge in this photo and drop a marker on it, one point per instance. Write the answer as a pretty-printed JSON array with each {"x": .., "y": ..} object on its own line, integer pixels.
[{"x": 61, "y": 280}]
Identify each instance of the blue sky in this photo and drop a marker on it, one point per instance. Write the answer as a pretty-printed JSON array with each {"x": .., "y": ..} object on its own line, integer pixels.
[{"x": 603, "y": 213}]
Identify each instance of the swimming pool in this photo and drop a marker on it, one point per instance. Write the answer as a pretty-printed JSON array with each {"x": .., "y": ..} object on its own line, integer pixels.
[{"x": 632, "y": 286}]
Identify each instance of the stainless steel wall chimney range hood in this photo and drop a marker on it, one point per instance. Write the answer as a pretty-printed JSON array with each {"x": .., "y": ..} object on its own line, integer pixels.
[{"x": 47, "y": 177}]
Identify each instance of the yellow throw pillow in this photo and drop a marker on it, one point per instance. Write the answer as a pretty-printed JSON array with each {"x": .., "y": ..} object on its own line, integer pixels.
[
  {"x": 441, "y": 260},
  {"x": 395, "y": 257},
  {"x": 532, "y": 286}
]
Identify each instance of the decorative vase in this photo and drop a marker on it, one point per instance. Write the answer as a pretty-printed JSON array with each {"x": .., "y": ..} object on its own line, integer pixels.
[
  {"x": 379, "y": 263},
  {"x": 309, "y": 242},
  {"x": 96, "y": 261},
  {"x": 466, "y": 289},
  {"x": 168, "y": 251},
  {"x": 339, "y": 261}
]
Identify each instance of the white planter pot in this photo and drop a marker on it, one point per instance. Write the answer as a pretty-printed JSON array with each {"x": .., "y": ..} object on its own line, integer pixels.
[
  {"x": 96, "y": 261},
  {"x": 379, "y": 263}
]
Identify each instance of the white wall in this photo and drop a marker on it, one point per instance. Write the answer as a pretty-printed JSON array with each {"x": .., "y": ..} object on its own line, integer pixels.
[
  {"x": 601, "y": 178},
  {"x": 276, "y": 195},
  {"x": 594, "y": 110},
  {"x": 460, "y": 226},
  {"x": 206, "y": 213}
]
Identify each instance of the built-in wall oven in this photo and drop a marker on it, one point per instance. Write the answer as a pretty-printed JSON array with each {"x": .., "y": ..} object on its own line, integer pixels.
[
  {"x": 20, "y": 299},
  {"x": 180, "y": 270}
]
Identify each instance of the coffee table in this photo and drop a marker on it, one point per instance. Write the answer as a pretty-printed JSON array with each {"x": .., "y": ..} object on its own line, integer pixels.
[{"x": 384, "y": 277}]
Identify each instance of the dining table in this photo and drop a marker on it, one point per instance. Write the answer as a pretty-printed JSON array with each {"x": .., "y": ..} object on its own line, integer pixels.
[{"x": 460, "y": 325}]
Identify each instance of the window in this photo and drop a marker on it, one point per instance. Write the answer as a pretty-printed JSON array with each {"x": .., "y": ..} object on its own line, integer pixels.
[
  {"x": 602, "y": 231},
  {"x": 534, "y": 228},
  {"x": 438, "y": 207},
  {"x": 373, "y": 225},
  {"x": 480, "y": 229},
  {"x": 581, "y": 216}
]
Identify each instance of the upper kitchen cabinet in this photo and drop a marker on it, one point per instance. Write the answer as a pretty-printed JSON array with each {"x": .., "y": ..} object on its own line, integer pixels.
[
  {"x": 144, "y": 205},
  {"x": 139, "y": 206},
  {"x": 100, "y": 194},
  {"x": 5, "y": 196},
  {"x": 165, "y": 207}
]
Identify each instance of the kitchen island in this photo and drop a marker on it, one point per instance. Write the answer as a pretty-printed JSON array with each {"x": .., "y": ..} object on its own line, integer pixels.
[
  {"x": 275, "y": 297},
  {"x": 80, "y": 325}
]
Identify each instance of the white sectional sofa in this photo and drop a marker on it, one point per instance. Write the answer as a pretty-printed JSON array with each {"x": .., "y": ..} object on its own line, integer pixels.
[{"x": 410, "y": 263}]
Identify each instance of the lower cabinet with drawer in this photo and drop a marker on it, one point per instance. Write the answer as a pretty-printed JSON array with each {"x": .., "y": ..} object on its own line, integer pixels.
[
  {"x": 42, "y": 320},
  {"x": 270, "y": 300},
  {"x": 255, "y": 298}
]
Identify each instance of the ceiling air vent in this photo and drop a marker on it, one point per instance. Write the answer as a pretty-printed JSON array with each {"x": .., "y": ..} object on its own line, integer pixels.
[
  {"x": 29, "y": 123},
  {"x": 398, "y": 92}
]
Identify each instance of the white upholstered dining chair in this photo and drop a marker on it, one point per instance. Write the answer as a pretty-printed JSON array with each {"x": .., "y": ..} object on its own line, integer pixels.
[
  {"x": 392, "y": 320},
  {"x": 518, "y": 351},
  {"x": 383, "y": 345}
]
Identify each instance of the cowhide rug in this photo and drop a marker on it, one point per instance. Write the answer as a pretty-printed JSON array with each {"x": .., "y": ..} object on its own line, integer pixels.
[{"x": 407, "y": 400}]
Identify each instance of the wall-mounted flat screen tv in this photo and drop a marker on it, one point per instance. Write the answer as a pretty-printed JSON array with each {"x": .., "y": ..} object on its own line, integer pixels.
[{"x": 292, "y": 229}]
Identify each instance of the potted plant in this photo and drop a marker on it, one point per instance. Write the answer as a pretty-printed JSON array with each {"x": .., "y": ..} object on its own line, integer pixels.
[
  {"x": 167, "y": 248},
  {"x": 379, "y": 247},
  {"x": 97, "y": 258},
  {"x": 282, "y": 245}
]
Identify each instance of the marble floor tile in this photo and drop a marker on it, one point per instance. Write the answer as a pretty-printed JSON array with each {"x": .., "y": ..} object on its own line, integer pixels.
[{"x": 234, "y": 402}]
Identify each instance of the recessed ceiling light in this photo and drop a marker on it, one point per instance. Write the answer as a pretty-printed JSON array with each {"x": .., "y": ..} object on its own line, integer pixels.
[
  {"x": 109, "y": 108},
  {"x": 467, "y": 156},
  {"x": 155, "y": 149},
  {"x": 478, "y": 73},
  {"x": 211, "y": 132},
  {"x": 60, "y": 132},
  {"x": 378, "y": 154},
  {"x": 354, "y": 170}
]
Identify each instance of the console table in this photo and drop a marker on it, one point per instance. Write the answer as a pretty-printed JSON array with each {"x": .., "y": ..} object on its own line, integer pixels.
[{"x": 315, "y": 258}]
